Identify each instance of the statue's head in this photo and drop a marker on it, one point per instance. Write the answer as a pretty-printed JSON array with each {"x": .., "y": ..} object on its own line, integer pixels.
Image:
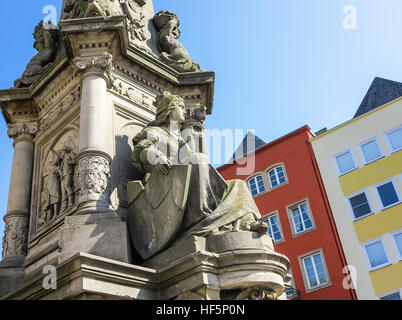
[
  {"x": 163, "y": 17},
  {"x": 44, "y": 31},
  {"x": 168, "y": 105}
]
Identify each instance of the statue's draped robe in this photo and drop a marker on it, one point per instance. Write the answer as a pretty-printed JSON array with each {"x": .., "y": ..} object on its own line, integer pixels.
[{"x": 212, "y": 202}]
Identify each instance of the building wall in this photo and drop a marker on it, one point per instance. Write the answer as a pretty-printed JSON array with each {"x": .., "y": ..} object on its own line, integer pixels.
[
  {"x": 370, "y": 285},
  {"x": 294, "y": 152}
]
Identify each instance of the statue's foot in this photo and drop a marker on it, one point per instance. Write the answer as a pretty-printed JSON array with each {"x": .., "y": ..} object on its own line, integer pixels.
[{"x": 259, "y": 226}]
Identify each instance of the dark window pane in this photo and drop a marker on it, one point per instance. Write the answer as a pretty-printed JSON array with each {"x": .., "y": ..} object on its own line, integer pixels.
[{"x": 388, "y": 194}]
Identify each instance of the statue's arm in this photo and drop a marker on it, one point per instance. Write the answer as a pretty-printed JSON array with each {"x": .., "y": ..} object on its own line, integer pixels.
[{"x": 146, "y": 155}]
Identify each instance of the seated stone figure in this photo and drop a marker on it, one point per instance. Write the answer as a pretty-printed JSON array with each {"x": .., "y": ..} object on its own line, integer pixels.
[
  {"x": 173, "y": 53},
  {"x": 181, "y": 194},
  {"x": 46, "y": 36}
]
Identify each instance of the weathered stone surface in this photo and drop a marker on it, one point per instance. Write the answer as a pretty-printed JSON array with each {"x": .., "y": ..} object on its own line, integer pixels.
[
  {"x": 86, "y": 276},
  {"x": 101, "y": 234},
  {"x": 256, "y": 268},
  {"x": 10, "y": 279}
]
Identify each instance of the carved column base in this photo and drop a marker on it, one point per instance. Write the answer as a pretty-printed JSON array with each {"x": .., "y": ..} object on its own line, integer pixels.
[
  {"x": 15, "y": 240},
  {"x": 93, "y": 183}
]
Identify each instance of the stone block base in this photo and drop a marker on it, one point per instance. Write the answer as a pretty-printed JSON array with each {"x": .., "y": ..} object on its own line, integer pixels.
[
  {"x": 238, "y": 265},
  {"x": 99, "y": 234}
]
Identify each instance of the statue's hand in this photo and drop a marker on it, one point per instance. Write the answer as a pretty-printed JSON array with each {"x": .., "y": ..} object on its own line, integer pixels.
[{"x": 162, "y": 164}]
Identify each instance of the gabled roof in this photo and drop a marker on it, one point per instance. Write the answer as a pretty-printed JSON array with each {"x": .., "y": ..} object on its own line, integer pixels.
[
  {"x": 250, "y": 142},
  {"x": 380, "y": 92}
]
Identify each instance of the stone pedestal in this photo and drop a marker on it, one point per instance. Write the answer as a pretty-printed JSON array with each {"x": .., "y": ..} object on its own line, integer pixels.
[
  {"x": 228, "y": 266},
  {"x": 101, "y": 234},
  {"x": 238, "y": 265}
]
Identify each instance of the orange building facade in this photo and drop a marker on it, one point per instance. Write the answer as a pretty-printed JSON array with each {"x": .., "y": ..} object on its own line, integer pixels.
[{"x": 288, "y": 190}]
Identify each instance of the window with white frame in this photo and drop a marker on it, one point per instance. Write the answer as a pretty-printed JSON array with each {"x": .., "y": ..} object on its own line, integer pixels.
[
  {"x": 274, "y": 227},
  {"x": 256, "y": 185},
  {"x": 394, "y": 138},
  {"x": 359, "y": 205},
  {"x": 301, "y": 217},
  {"x": 387, "y": 193},
  {"x": 345, "y": 162},
  {"x": 397, "y": 238},
  {"x": 276, "y": 176},
  {"x": 371, "y": 150},
  {"x": 375, "y": 254},
  {"x": 315, "y": 270}
]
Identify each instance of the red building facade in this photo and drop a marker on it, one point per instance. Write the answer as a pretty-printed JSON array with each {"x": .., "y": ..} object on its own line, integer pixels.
[{"x": 288, "y": 190}]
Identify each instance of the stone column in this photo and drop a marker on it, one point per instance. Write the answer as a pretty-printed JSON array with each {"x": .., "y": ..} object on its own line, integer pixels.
[
  {"x": 95, "y": 134},
  {"x": 15, "y": 239}
]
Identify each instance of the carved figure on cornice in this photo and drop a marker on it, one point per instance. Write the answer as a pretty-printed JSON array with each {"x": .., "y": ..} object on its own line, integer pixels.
[
  {"x": 46, "y": 42},
  {"x": 136, "y": 19},
  {"x": 66, "y": 172},
  {"x": 74, "y": 9},
  {"x": 173, "y": 53}
]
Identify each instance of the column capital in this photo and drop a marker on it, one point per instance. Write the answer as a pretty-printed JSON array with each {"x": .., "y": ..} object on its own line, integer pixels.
[
  {"x": 101, "y": 66},
  {"x": 23, "y": 130},
  {"x": 195, "y": 118}
]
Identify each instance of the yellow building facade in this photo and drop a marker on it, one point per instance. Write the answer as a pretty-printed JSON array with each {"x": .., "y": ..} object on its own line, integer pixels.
[{"x": 361, "y": 166}]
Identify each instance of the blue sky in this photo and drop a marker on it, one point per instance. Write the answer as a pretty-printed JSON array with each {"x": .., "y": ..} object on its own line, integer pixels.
[{"x": 280, "y": 64}]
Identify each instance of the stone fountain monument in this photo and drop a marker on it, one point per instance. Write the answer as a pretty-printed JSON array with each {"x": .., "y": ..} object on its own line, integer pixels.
[{"x": 111, "y": 190}]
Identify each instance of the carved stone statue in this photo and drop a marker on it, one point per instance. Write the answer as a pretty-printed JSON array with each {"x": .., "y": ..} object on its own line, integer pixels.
[
  {"x": 181, "y": 194},
  {"x": 51, "y": 194},
  {"x": 66, "y": 172},
  {"x": 58, "y": 193},
  {"x": 74, "y": 9},
  {"x": 136, "y": 19},
  {"x": 173, "y": 52},
  {"x": 46, "y": 37}
]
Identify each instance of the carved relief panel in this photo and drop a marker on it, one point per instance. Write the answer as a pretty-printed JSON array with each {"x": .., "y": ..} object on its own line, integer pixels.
[{"x": 58, "y": 187}]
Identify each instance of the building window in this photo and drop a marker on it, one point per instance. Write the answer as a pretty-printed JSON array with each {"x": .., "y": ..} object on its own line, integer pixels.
[
  {"x": 276, "y": 177},
  {"x": 274, "y": 228},
  {"x": 394, "y": 138},
  {"x": 387, "y": 193},
  {"x": 396, "y": 295},
  {"x": 376, "y": 255},
  {"x": 397, "y": 238},
  {"x": 371, "y": 151},
  {"x": 345, "y": 162},
  {"x": 315, "y": 271},
  {"x": 360, "y": 205},
  {"x": 301, "y": 217},
  {"x": 256, "y": 185}
]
